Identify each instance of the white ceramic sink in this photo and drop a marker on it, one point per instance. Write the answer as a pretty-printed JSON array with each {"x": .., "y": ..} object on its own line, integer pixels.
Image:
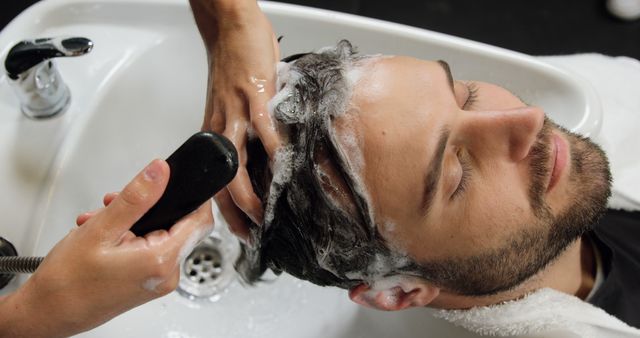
[{"x": 140, "y": 93}]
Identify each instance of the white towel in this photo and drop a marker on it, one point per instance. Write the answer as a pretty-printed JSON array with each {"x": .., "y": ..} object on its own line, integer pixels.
[
  {"x": 550, "y": 313},
  {"x": 544, "y": 313}
]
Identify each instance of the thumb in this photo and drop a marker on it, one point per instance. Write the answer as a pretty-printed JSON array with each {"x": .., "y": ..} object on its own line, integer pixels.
[{"x": 135, "y": 200}]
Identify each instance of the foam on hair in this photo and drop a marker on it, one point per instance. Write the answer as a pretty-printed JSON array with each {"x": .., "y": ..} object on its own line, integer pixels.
[
  {"x": 318, "y": 223},
  {"x": 284, "y": 107}
]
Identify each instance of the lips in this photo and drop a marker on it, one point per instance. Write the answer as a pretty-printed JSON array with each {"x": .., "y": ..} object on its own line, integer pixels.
[{"x": 559, "y": 155}]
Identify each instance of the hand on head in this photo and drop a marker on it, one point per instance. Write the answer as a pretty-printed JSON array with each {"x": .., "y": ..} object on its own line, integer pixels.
[
  {"x": 242, "y": 52},
  {"x": 101, "y": 269}
]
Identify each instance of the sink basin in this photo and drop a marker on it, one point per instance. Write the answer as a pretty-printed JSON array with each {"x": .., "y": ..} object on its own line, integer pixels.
[{"x": 140, "y": 94}]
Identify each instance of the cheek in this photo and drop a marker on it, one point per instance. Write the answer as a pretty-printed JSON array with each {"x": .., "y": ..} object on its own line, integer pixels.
[{"x": 493, "y": 210}]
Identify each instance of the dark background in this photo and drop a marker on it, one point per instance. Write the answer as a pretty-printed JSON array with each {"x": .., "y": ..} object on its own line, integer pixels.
[{"x": 537, "y": 27}]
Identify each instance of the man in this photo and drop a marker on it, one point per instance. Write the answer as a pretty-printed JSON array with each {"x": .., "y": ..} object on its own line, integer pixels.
[
  {"x": 410, "y": 188},
  {"x": 411, "y": 176}
]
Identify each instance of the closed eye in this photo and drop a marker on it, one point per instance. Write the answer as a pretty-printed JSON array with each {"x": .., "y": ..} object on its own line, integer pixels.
[
  {"x": 464, "y": 178},
  {"x": 472, "y": 88}
]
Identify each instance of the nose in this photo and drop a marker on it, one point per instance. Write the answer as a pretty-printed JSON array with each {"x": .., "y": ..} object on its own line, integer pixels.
[{"x": 507, "y": 133}]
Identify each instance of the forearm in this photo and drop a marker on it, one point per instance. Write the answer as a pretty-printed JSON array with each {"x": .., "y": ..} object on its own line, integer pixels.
[
  {"x": 11, "y": 324},
  {"x": 23, "y": 315},
  {"x": 219, "y": 14},
  {"x": 217, "y": 20},
  {"x": 14, "y": 319},
  {"x": 230, "y": 30},
  {"x": 233, "y": 7}
]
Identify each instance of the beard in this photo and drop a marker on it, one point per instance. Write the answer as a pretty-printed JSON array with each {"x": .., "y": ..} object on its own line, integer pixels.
[{"x": 535, "y": 246}]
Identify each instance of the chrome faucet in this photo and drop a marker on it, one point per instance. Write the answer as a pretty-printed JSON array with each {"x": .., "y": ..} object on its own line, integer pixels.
[{"x": 35, "y": 78}]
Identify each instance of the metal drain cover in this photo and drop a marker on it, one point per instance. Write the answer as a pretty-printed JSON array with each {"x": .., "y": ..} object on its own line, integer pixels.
[
  {"x": 209, "y": 268},
  {"x": 204, "y": 265}
]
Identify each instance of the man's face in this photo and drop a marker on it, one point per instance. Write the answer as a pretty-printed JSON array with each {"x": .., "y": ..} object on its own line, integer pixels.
[{"x": 466, "y": 178}]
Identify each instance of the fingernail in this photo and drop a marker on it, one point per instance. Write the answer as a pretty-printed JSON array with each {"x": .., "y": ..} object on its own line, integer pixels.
[{"x": 152, "y": 171}]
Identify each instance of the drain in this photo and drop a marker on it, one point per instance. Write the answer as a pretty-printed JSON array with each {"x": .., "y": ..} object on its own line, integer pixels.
[
  {"x": 209, "y": 268},
  {"x": 204, "y": 265}
]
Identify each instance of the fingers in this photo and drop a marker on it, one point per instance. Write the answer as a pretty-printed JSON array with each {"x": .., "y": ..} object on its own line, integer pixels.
[
  {"x": 214, "y": 117},
  {"x": 263, "y": 124},
  {"x": 196, "y": 225},
  {"x": 84, "y": 217},
  {"x": 191, "y": 229},
  {"x": 234, "y": 217},
  {"x": 134, "y": 200},
  {"x": 169, "y": 248},
  {"x": 261, "y": 119},
  {"x": 215, "y": 123},
  {"x": 244, "y": 197},
  {"x": 240, "y": 187},
  {"x": 108, "y": 198},
  {"x": 127, "y": 236}
]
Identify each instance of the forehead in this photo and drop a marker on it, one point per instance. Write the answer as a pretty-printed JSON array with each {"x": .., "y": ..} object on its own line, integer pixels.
[
  {"x": 398, "y": 84},
  {"x": 397, "y": 103}
]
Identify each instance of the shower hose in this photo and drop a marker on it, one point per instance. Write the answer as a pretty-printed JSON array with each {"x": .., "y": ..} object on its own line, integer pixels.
[{"x": 19, "y": 264}]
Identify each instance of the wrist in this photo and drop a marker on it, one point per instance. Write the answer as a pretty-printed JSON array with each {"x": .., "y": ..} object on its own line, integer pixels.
[
  {"x": 22, "y": 315},
  {"x": 236, "y": 13},
  {"x": 16, "y": 320},
  {"x": 234, "y": 7},
  {"x": 7, "y": 315}
]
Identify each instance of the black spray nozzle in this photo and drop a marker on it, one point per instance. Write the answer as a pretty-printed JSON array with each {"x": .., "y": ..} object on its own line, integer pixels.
[{"x": 201, "y": 167}]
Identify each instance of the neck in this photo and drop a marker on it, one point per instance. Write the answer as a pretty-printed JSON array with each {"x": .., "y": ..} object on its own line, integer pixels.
[{"x": 573, "y": 272}]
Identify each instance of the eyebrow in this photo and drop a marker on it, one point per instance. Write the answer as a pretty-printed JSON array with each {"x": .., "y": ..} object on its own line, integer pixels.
[
  {"x": 435, "y": 166},
  {"x": 447, "y": 71},
  {"x": 433, "y": 172}
]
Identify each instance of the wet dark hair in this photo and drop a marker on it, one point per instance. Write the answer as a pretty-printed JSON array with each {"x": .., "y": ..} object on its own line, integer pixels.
[{"x": 310, "y": 235}]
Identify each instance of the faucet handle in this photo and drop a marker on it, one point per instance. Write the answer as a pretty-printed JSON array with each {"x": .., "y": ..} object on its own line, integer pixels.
[
  {"x": 35, "y": 78},
  {"x": 29, "y": 53}
]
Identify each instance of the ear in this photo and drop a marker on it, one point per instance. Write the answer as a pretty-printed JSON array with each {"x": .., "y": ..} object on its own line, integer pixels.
[{"x": 394, "y": 294}]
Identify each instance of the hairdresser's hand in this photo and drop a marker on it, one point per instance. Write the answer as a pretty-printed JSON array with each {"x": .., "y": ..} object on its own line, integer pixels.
[
  {"x": 242, "y": 53},
  {"x": 101, "y": 269}
]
